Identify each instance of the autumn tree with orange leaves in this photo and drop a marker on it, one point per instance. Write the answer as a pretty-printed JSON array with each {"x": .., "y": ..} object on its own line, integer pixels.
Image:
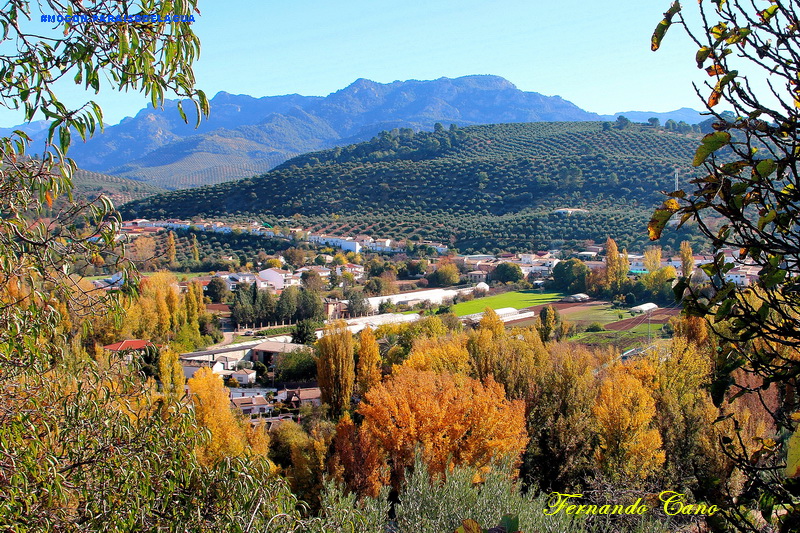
[{"x": 450, "y": 419}]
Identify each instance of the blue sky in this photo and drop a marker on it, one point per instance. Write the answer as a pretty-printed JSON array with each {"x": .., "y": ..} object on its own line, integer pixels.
[{"x": 595, "y": 54}]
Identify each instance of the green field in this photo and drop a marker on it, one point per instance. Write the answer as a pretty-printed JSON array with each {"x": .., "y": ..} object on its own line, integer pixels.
[
  {"x": 596, "y": 313},
  {"x": 517, "y": 300}
]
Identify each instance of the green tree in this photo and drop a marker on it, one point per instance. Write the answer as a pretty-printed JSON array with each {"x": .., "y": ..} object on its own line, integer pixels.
[
  {"x": 264, "y": 308},
  {"x": 506, "y": 272},
  {"x": 217, "y": 290},
  {"x": 287, "y": 303},
  {"x": 357, "y": 304},
  {"x": 570, "y": 276},
  {"x": 309, "y": 306},
  {"x": 547, "y": 322},
  {"x": 312, "y": 281},
  {"x": 305, "y": 331},
  {"x": 297, "y": 365}
]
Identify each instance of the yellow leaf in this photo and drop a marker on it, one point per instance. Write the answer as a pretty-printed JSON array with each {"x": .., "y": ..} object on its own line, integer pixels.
[
  {"x": 793, "y": 455},
  {"x": 470, "y": 526}
]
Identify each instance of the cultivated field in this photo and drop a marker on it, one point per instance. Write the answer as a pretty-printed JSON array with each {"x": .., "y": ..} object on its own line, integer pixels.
[{"x": 517, "y": 299}]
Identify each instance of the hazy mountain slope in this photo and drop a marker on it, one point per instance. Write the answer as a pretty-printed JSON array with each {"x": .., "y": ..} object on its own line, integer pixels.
[
  {"x": 245, "y": 135},
  {"x": 685, "y": 114}
]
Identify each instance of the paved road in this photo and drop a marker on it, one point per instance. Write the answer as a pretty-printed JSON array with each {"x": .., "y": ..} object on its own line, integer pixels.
[{"x": 227, "y": 335}]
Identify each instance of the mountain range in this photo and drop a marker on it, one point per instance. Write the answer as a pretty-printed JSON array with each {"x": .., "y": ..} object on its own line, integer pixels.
[{"x": 246, "y": 136}]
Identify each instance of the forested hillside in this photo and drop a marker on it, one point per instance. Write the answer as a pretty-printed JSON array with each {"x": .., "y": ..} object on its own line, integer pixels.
[
  {"x": 91, "y": 184},
  {"x": 480, "y": 187}
]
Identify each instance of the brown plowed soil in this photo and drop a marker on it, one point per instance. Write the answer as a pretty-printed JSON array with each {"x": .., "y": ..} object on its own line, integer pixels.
[{"x": 659, "y": 316}]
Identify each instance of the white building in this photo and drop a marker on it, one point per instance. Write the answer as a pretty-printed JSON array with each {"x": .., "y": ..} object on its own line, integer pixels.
[
  {"x": 348, "y": 244},
  {"x": 279, "y": 278},
  {"x": 644, "y": 308}
]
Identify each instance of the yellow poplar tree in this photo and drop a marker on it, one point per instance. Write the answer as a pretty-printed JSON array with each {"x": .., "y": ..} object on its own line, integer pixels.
[
  {"x": 369, "y": 361},
  {"x": 212, "y": 408},
  {"x": 170, "y": 247},
  {"x": 687, "y": 259},
  {"x": 612, "y": 264},
  {"x": 335, "y": 366},
  {"x": 170, "y": 373},
  {"x": 491, "y": 321},
  {"x": 652, "y": 258},
  {"x": 624, "y": 409},
  {"x": 440, "y": 354}
]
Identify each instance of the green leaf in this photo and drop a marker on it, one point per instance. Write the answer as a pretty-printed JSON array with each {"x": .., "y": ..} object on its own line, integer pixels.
[
  {"x": 766, "y": 167},
  {"x": 123, "y": 41},
  {"x": 767, "y": 14},
  {"x": 726, "y": 79},
  {"x": 182, "y": 113},
  {"x": 710, "y": 144},
  {"x": 766, "y": 219},
  {"x": 702, "y": 55},
  {"x": 773, "y": 278},
  {"x": 64, "y": 138},
  {"x": 663, "y": 26},
  {"x": 510, "y": 523},
  {"x": 724, "y": 310}
]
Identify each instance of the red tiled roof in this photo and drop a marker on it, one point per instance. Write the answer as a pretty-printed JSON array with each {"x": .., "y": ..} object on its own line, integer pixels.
[{"x": 134, "y": 344}]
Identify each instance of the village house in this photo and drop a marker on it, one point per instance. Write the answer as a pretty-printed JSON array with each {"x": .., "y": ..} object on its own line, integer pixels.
[
  {"x": 323, "y": 272},
  {"x": 252, "y": 406},
  {"x": 299, "y": 397},
  {"x": 191, "y": 366},
  {"x": 279, "y": 278},
  {"x": 268, "y": 351},
  {"x": 348, "y": 244},
  {"x": 356, "y": 270},
  {"x": 245, "y": 376},
  {"x": 234, "y": 280},
  {"x": 476, "y": 276}
]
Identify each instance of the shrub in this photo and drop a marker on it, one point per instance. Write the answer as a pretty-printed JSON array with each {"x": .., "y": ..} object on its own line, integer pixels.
[{"x": 595, "y": 326}]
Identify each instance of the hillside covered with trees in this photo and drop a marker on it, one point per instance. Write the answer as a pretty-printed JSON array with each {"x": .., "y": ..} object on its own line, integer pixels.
[{"x": 481, "y": 187}]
